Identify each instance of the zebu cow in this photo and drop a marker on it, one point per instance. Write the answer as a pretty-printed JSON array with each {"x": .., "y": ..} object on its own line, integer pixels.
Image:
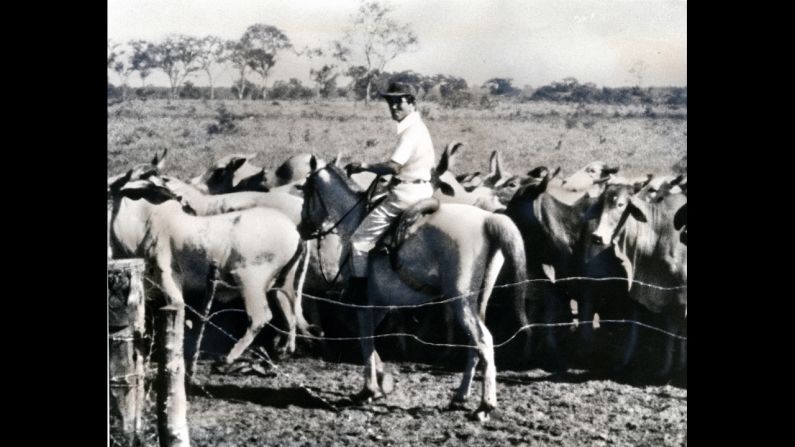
[
  {"x": 253, "y": 250},
  {"x": 642, "y": 236},
  {"x": 551, "y": 229},
  {"x": 454, "y": 252}
]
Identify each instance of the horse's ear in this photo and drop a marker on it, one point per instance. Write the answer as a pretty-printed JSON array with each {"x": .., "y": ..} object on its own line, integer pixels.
[
  {"x": 313, "y": 163},
  {"x": 337, "y": 161},
  {"x": 446, "y": 188}
]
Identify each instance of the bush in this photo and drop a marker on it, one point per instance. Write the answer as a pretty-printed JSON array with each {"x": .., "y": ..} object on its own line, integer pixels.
[
  {"x": 456, "y": 99},
  {"x": 189, "y": 91},
  {"x": 225, "y": 122}
]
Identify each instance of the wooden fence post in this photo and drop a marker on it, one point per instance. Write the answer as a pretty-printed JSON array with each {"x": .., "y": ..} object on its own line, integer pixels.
[
  {"x": 172, "y": 424},
  {"x": 126, "y": 350}
]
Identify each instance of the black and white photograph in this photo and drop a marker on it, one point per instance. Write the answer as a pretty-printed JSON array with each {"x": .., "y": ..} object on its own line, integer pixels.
[{"x": 397, "y": 222}]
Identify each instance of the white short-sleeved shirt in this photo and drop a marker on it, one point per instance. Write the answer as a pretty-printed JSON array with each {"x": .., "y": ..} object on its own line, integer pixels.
[{"x": 414, "y": 149}]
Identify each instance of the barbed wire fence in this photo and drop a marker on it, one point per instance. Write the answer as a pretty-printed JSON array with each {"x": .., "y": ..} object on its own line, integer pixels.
[{"x": 205, "y": 318}]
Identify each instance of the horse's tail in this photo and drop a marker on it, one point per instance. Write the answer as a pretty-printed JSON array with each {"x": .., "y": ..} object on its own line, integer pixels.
[{"x": 505, "y": 236}]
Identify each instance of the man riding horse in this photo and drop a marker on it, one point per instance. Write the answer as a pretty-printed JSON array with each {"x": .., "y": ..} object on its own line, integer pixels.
[{"x": 410, "y": 166}]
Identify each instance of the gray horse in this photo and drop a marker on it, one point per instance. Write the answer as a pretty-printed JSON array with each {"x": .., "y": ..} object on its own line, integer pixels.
[{"x": 455, "y": 252}]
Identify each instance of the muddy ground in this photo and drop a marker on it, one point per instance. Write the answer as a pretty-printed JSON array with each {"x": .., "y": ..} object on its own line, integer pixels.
[{"x": 305, "y": 402}]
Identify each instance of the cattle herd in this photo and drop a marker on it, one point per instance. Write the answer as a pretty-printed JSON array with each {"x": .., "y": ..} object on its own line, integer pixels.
[{"x": 595, "y": 243}]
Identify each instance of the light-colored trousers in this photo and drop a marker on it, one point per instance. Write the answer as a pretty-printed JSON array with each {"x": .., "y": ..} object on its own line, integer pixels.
[{"x": 380, "y": 218}]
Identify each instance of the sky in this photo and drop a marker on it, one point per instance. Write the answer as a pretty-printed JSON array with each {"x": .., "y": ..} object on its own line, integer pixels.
[{"x": 533, "y": 42}]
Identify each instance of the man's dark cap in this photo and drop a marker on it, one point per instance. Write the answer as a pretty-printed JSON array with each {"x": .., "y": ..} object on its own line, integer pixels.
[{"x": 399, "y": 89}]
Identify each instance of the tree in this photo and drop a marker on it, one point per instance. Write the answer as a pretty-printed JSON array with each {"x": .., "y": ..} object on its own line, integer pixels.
[
  {"x": 212, "y": 52},
  {"x": 177, "y": 56},
  {"x": 501, "y": 87},
  {"x": 237, "y": 56},
  {"x": 112, "y": 54},
  {"x": 262, "y": 44},
  {"x": 141, "y": 60},
  {"x": 372, "y": 40},
  {"x": 325, "y": 80},
  {"x": 122, "y": 66}
]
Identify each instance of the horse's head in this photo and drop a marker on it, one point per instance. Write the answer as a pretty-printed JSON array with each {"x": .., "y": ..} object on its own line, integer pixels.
[{"x": 329, "y": 195}]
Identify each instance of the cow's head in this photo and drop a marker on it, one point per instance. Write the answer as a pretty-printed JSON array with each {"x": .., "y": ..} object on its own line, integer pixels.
[
  {"x": 295, "y": 170},
  {"x": 232, "y": 173},
  {"x": 593, "y": 173},
  {"x": 615, "y": 206}
]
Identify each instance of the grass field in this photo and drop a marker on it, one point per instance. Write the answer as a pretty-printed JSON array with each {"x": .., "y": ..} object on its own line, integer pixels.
[{"x": 639, "y": 139}]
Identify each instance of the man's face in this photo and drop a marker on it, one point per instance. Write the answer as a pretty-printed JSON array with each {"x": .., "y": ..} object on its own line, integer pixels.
[{"x": 399, "y": 107}]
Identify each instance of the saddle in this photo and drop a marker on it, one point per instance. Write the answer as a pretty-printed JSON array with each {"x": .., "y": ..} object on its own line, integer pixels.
[{"x": 401, "y": 229}]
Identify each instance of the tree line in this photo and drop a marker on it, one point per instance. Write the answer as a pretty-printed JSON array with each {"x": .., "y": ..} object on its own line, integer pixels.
[{"x": 367, "y": 45}]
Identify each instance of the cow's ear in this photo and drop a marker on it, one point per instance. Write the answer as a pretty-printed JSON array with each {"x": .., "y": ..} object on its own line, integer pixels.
[
  {"x": 446, "y": 188},
  {"x": 636, "y": 209},
  {"x": 236, "y": 163},
  {"x": 313, "y": 163},
  {"x": 593, "y": 211}
]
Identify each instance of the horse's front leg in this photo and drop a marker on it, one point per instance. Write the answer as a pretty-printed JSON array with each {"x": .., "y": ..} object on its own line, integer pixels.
[{"x": 368, "y": 321}]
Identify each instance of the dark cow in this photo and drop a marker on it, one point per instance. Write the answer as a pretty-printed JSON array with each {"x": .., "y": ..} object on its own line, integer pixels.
[
  {"x": 551, "y": 230},
  {"x": 642, "y": 237}
]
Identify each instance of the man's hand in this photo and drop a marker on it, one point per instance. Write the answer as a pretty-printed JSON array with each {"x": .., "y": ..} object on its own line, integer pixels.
[{"x": 353, "y": 168}]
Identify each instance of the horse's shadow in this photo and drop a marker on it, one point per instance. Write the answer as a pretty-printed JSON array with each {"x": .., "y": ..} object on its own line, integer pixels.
[
  {"x": 304, "y": 398},
  {"x": 265, "y": 396}
]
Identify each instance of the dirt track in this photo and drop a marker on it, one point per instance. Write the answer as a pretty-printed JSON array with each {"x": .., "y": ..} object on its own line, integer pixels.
[{"x": 277, "y": 410}]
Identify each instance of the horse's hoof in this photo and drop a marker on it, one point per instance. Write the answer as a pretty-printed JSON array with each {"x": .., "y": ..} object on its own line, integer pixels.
[
  {"x": 482, "y": 414},
  {"x": 457, "y": 404},
  {"x": 367, "y": 396},
  {"x": 386, "y": 382}
]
